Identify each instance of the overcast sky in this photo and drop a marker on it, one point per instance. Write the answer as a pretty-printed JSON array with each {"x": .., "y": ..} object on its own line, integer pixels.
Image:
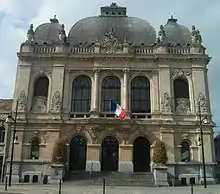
[{"x": 17, "y": 15}]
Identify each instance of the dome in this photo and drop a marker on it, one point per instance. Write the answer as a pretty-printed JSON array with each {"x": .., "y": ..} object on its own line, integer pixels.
[
  {"x": 112, "y": 19},
  {"x": 176, "y": 33},
  {"x": 48, "y": 32}
]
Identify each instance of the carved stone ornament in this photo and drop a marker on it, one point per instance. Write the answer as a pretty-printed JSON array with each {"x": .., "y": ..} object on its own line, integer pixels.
[
  {"x": 166, "y": 102},
  {"x": 179, "y": 73},
  {"x": 110, "y": 43},
  {"x": 39, "y": 104},
  {"x": 22, "y": 101},
  {"x": 56, "y": 102},
  {"x": 62, "y": 34},
  {"x": 182, "y": 105},
  {"x": 202, "y": 102}
]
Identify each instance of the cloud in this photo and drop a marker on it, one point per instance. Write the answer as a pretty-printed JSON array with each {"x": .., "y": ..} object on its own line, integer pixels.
[{"x": 16, "y": 15}]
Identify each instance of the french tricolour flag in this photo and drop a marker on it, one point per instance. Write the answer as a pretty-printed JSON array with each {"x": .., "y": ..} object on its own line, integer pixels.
[{"x": 117, "y": 109}]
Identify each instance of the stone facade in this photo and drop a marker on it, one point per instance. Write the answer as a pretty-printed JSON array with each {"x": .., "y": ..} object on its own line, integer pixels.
[{"x": 46, "y": 113}]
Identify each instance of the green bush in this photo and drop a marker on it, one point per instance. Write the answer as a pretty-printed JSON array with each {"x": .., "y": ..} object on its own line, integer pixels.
[
  {"x": 159, "y": 153},
  {"x": 59, "y": 154}
]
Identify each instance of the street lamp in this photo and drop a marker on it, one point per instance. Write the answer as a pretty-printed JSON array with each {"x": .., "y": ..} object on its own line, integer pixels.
[
  {"x": 202, "y": 121},
  {"x": 13, "y": 138}
]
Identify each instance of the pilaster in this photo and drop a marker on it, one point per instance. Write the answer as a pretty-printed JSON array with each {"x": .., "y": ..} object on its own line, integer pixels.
[
  {"x": 125, "y": 89},
  {"x": 93, "y": 158},
  {"x": 21, "y": 91},
  {"x": 57, "y": 88},
  {"x": 125, "y": 158}
]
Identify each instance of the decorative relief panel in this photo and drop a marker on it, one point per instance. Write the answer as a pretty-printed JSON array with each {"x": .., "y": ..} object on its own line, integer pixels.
[
  {"x": 56, "y": 102},
  {"x": 166, "y": 102},
  {"x": 22, "y": 101},
  {"x": 202, "y": 102},
  {"x": 179, "y": 73}
]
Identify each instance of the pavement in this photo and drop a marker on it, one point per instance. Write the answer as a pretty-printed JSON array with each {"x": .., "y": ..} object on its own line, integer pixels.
[{"x": 70, "y": 189}]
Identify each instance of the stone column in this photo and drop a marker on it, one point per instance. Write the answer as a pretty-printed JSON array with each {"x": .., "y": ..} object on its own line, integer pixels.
[
  {"x": 95, "y": 94},
  {"x": 126, "y": 99},
  {"x": 93, "y": 158}
]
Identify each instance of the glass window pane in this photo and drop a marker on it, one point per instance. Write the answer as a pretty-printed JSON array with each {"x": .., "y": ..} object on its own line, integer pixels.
[
  {"x": 140, "y": 95},
  {"x": 81, "y": 98}
]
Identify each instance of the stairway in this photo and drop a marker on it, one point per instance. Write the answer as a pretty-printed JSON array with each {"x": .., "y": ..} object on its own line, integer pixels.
[{"x": 111, "y": 178}]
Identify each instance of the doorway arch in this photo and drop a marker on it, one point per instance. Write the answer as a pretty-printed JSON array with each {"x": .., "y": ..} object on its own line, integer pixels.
[
  {"x": 77, "y": 157},
  {"x": 141, "y": 155},
  {"x": 109, "y": 155}
]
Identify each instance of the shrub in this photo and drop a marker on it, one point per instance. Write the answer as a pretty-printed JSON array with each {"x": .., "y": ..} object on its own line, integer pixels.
[
  {"x": 59, "y": 154},
  {"x": 159, "y": 153}
]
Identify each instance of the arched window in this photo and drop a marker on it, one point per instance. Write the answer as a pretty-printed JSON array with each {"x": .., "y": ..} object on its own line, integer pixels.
[
  {"x": 41, "y": 86},
  {"x": 81, "y": 94},
  {"x": 2, "y": 133},
  {"x": 111, "y": 90},
  {"x": 140, "y": 95},
  {"x": 181, "y": 95},
  {"x": 185, "y": 151},
  {"x": 35, "y": 149}
]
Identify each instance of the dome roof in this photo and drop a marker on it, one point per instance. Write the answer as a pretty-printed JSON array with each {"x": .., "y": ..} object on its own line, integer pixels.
[
  {"x": 48, "y": 32},
  {"x": 112, "y": 19},
  {"x": 176, "y": 33}
]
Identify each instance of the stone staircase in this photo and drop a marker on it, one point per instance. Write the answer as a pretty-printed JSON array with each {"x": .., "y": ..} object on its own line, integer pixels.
[{"x": 111, "y": 178}]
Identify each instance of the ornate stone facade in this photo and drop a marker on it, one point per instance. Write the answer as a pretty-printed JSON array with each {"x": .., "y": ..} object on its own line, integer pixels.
[{"x": 73, "y": 80}]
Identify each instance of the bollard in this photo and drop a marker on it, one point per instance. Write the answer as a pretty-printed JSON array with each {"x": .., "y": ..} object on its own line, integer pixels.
[
  {"x": 60, "y": 186},
  {"x": 103, "y": 186},
  {"x": 6, "y": 183},
  {"x": 191, "y": 188}
]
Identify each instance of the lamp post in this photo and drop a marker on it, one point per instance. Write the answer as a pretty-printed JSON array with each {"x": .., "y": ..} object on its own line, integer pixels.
[
  {"x": 13, "y": 138},
  {"x": 201, "y": 121}
]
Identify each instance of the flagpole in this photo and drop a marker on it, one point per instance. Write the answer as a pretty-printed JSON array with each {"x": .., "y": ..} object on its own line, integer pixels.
[{"x": 110, "y": 106}]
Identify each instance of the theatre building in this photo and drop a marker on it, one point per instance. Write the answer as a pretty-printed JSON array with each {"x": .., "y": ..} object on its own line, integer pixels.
[{"x": 65, "y": 81}]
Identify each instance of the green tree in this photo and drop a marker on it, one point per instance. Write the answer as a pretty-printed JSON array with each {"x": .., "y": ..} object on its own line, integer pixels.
[
  {"x": 159, "y": 153},
  {"x": 59, "y": 154}
]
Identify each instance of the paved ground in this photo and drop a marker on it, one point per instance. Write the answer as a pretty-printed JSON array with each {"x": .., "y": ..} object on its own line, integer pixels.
[{"x": 71, "y": 189}]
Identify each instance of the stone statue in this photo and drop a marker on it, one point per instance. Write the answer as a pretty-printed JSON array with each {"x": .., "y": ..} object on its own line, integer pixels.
[
  {"x": 56, "y": 102},
  {"x": 22, "y": 101},
  {"x": 182, "y": 105},
  {"x": 195, "y": 36},
  {"x": 39, "y": 104},
  {"x": 62, "y": 34},
  {"x": 202, "y": 103},
  {"x": 161, "y": 35},
  {"x": 165, "y": 102},
  {"x": 30, "y": 34}
]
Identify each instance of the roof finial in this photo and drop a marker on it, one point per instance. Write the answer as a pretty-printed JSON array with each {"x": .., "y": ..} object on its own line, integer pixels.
[
  {"x": 54, "y": 20},
  {"x": 172, "y": 19}
]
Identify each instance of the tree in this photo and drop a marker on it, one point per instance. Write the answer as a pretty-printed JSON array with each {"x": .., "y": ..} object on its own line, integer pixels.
[
  {"x": 159, "y": 153},
  {"x": 59, "y": 154}
]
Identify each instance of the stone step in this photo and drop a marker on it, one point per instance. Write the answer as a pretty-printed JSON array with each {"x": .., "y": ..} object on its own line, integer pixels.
[{"x": 111, "y": 178}]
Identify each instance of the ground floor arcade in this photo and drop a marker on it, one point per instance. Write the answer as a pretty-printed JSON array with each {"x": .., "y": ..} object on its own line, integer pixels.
[{"x": 109, "y": 155}]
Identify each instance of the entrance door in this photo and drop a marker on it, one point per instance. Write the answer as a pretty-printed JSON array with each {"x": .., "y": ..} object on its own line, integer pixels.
[
  {"x": 77, "y": 159},
  {"x": 141, "y": 155},
  {"x": 109, "y": 156}
]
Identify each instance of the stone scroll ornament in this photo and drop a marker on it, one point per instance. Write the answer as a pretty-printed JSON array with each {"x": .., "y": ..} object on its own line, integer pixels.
[
  {"x": 56, "y": 102},
  {"x": 166, "y": 103},
  {"x": 22, "y": 101}
]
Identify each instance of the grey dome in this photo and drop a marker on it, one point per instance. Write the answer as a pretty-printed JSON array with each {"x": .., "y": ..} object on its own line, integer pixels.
[
  {"x": 112, "y": 19},
  {"x": 48, "y": 32},
  {"x": 176, "y": 33}
]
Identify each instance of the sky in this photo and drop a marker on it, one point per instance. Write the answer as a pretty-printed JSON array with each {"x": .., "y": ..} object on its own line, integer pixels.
[{"x": 17, "y": 15}]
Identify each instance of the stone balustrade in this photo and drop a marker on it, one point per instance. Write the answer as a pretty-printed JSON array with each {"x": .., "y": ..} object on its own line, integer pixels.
[{"x": 139, "y": 51}]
